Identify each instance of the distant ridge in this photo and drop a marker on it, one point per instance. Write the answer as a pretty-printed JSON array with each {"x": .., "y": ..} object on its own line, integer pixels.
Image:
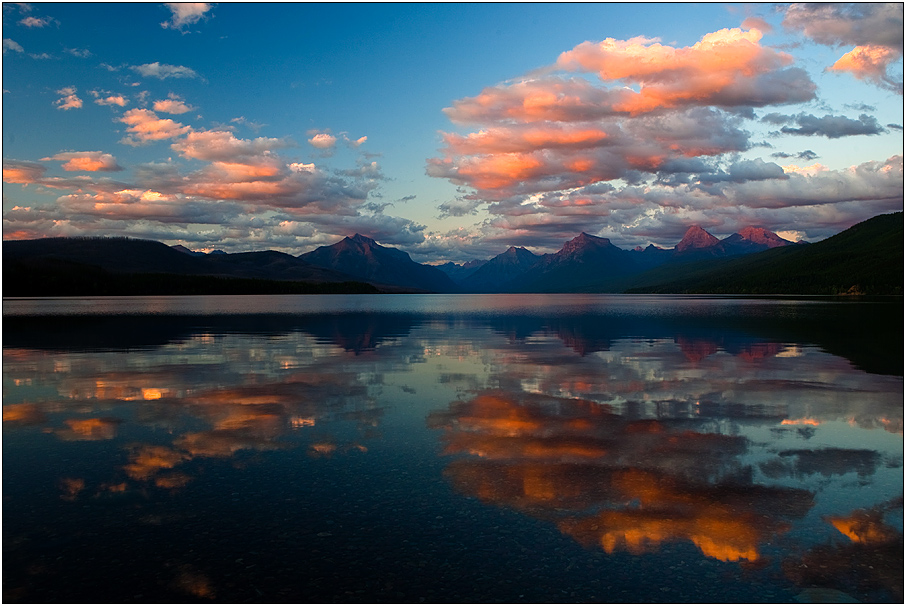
[
  {"x": 365, "y": 259},
  {"x": 867, "y": 258}
]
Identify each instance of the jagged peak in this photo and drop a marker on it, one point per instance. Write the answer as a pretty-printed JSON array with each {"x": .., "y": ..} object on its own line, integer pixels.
[
  {"x": 761, "y": 235},
  {"x": 696, "y": 237}
]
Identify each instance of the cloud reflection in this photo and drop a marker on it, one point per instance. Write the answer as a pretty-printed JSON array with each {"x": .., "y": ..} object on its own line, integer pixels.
[{"x": 648, "y": 480}]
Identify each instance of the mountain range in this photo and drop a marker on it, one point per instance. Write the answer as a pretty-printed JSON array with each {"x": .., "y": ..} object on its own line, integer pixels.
[{"x": 865, "y": 259}]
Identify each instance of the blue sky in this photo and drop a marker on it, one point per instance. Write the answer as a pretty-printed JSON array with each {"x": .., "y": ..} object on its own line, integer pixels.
[{"x": 451, "y": 131}]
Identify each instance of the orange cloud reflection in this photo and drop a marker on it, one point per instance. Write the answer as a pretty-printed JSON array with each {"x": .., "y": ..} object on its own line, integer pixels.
[{"x": 648, "y": 479}]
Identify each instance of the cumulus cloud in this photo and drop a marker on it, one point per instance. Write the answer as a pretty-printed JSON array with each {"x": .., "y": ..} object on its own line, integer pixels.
[
  {"x": 323, "y": 141},
  {"x": 185, "y": 14},
  {"x": 12, "y": 45},
  {"x": 839, "y": 24},
  {"x": 874, "y": 29},
  {"x": 91, "y": 161},
  {"x": 832, "y": 127},
  {"x": 221, "y": 145},
  {"x": 69, "y": 100},
  {"x": 871, "y": 62},
  {"x": 727, "y": 68},
  {"x": 173, "y": 104},
  {"x": 657, "y": 107},
  {"x": 145, "y": 126},
  {"x": 163, "y": 71},
  {"x": 118, "y": 100},
  {"x": 803, "y": 155}
]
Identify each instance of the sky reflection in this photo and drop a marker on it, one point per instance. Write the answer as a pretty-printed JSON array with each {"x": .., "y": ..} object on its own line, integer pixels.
[{"x": 745, "y": 449}]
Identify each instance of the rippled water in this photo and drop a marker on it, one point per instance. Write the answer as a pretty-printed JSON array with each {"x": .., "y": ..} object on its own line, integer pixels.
[{"x": 439, "y": 448}]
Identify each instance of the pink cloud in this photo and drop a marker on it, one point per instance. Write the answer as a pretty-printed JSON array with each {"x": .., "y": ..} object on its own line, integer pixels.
[
  {"x": 145, "y": 126},
  {"x": 875, "y": 29},
  {"x": 23, "y": 173},
  {"x": 172, "y": 105},
  {"x": 91, "y": 161},
  {"x": 112, "y": 100},
  {"x": 214, "y": 145},
  {"x": 69, "y": 100},
  {"x": 869, "y": 62},
  {"x": 717, "y": 70}
]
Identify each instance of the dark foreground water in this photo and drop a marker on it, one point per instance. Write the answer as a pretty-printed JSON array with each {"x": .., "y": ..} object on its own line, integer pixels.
[{"x": 452, "y": 449}]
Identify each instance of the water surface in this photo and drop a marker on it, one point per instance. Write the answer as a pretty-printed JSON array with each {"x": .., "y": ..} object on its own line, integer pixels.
[{"x": 403, "y": 448}]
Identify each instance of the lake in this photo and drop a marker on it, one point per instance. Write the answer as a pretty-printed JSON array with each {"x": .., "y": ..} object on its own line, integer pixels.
[{"x": 436, "y": 448}]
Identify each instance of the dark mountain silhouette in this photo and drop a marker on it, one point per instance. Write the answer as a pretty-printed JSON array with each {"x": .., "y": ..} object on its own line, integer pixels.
[
  {"x": 458, "y": 273},
  {"x": 365, "y": 259},
  {"x": 867, "y": 258},
  {"x": 116, "y": 266},
  {"x": 124, "y": 255},
  {"x": 582, "y": 262},
  {"x": 650, "y": 256},
  {"x": 500, "y": 271}
]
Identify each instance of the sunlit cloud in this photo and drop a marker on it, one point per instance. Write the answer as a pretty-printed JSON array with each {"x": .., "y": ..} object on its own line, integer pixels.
[
  {"x": 145, "y": 126},
  {"x": 173, "y": 104},
  {"x": 91, "y": 161},
  {"x": 874, "y": 29},
  {"x": 220, "y": 145},
  {"x": 185, "y": 14},
  {"x": 23, "y": 173},
  {"x": 117, "y": 100},
  {"x": 323, "y": 141},
  {"x": 69, "y": 100}
]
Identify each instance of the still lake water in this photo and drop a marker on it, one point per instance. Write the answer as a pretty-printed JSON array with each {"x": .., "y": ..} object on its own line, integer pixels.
[{"x": 409, "y": 448}]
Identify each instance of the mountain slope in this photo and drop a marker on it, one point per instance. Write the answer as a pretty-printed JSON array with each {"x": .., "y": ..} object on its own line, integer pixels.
[
  {"x": 582, "y": 262},
  {"x": 365, "y": 259},
  {"x": 497, "y": 273},
  {"x": 124, "y": 255},
  {"x": 864, "y": 259}
]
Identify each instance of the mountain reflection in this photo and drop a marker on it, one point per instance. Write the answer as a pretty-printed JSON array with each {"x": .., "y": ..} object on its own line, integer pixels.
[{"x": 748, "y": 444}]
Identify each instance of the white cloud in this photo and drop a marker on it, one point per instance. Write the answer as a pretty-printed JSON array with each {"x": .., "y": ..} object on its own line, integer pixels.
[
  {"x": 164, "y": 71},
  {"x": 36, "y": 21},
  {"x": 323, "y": 141},
  {"x": 185, "y": 14},
  {"x": 12, "y": 45}
]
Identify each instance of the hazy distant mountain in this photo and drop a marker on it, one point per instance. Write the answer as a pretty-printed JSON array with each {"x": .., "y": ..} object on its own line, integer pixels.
[
  {"x": 583, "y": 262},
  {"x": 650, "y": 256},
  {"x": 495, "y": 275},
  {"x": 867, "y": 258},
  {"x": 365, "y": 259},
  {"x": 458, "y": 273}
]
